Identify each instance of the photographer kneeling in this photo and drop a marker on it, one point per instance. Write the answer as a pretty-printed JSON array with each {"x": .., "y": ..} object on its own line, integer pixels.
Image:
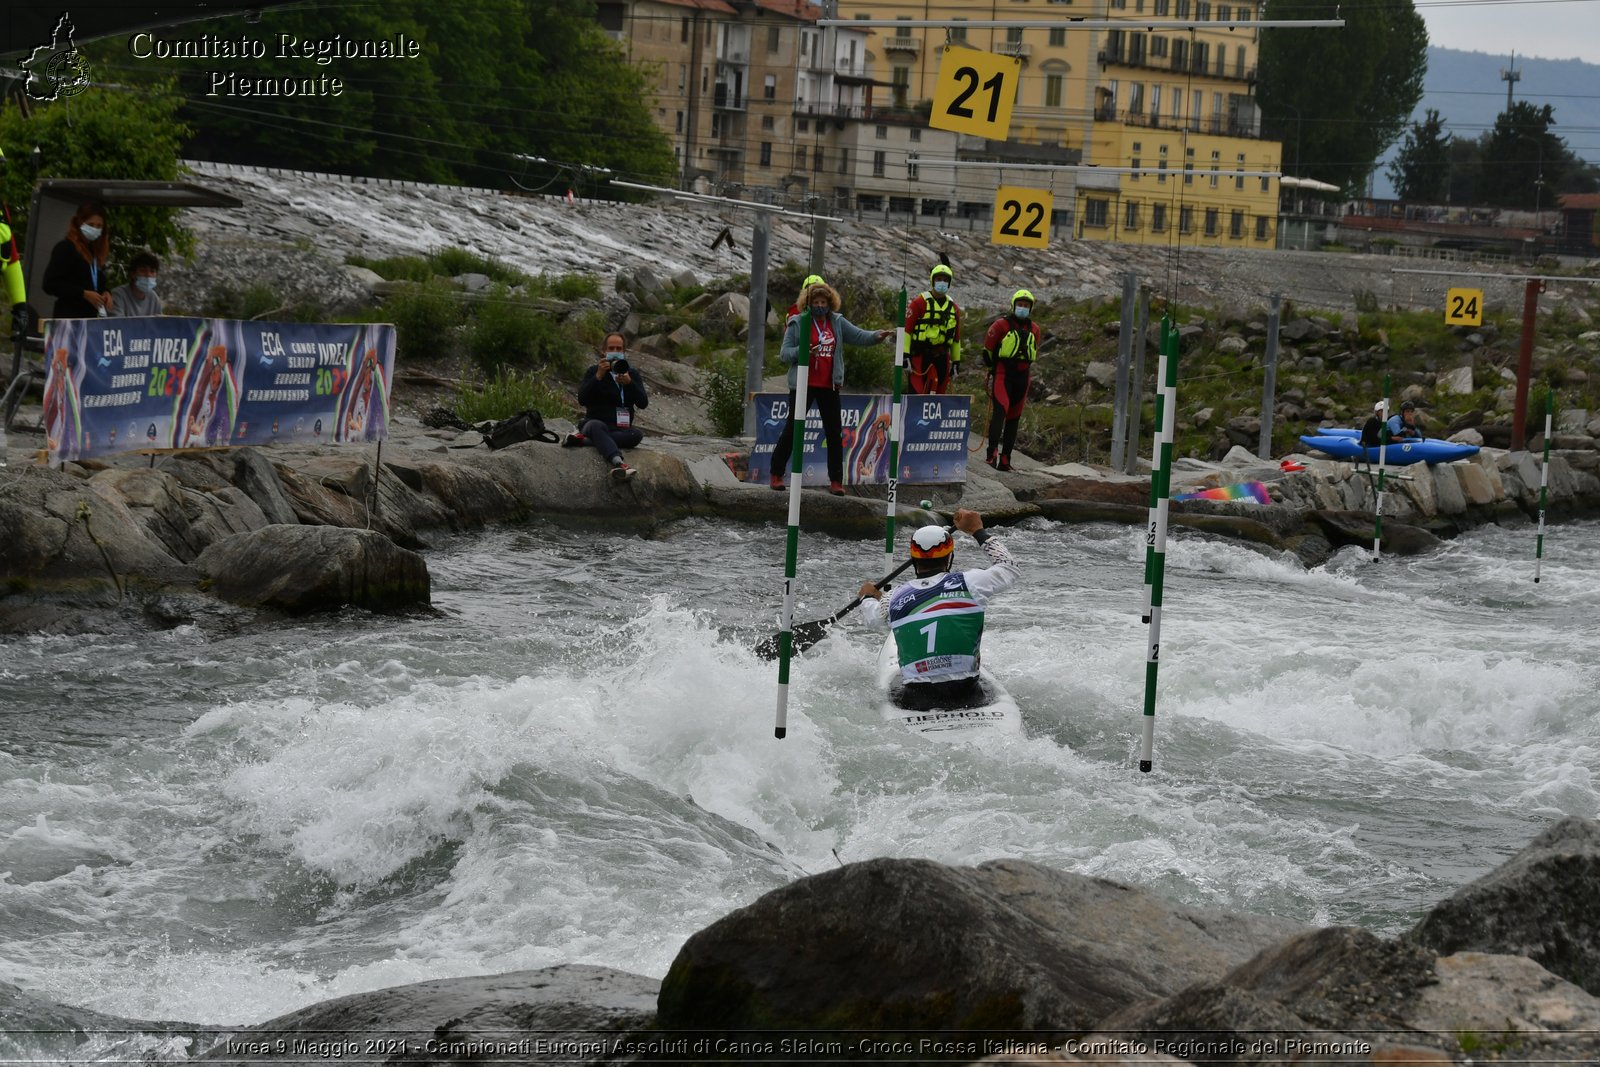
[{"x": 610, "y": 392}]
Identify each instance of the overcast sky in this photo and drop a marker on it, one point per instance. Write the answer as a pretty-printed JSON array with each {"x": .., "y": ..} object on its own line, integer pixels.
[{"x": 1549, "y": 29}]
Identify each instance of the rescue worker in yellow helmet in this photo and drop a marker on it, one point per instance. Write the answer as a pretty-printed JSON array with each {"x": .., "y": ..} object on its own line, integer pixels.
[
  {"x": 1009, "y": 349},
  {"x": 933, "y": 330}
]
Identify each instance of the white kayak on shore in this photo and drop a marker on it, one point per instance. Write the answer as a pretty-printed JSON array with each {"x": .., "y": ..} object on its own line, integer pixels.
[{"x": 989, "y": 709}]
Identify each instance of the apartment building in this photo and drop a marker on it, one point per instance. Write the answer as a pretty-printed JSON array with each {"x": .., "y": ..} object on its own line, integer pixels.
[{"x": 1171, "y": 100}]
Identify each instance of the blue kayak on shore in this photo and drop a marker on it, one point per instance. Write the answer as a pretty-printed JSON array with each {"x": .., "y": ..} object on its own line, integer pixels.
[{"x": 1346, "y": 444}]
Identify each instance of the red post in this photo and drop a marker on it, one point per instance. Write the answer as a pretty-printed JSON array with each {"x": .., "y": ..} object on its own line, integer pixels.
[{"x": 1530, "y": 309}]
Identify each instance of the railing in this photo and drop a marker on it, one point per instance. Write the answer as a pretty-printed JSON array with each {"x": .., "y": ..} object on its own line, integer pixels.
[
  {"x": 1020, "y": 49},
  {"x": 1188, "y": 62},
  {"x": 1215, "y": 124},
  {"x": 723, "y": 98},
  {"x": 817, "y": 109},
  {"x": 903, "y": 44}
]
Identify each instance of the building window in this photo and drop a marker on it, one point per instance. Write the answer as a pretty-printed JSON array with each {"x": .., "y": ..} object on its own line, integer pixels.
[
  {"x": 1202, "y": 11},
  {"x": 680, "y": 122},
  {"x": 1052, "y": 90},
  {"x": 1158, "y": 48},
  {"x": 881, "y": 133},
  {"x": 1238, "y": 182},
  {"x": 683, "y": 76},
  {"x": 817, "y": 158},
  {"x": 1266, "y": 184},
  {"x": 911, "y": 167},
  {"x": 1014, "y": 35},
  {"x": 705, "y": 79},
  {"x": 1186, "y": 220},
  {"x": 773, "y": 35},
  {"x": 958, "y": 33},
  {"x": 1134, "y": 161},
  {"x": 1155, "y": 104},
  {"x": 916, "y": 133},
  {"x": 1163, "y": 7},
  {"x": 1183, "y": 9},
  {"x": 877, "y": 164},
  {"x": 1094, "y": 212},
  {"x": 769, "y": 87},
  {"x": 900, "y": 81},
  {"x": 766, "y": 153},
  {"x": 1261, "y": 227},
  {"x": 1130, "y": 216},
  {"x": 902, "y": 32},
  {"x": 1136, "y": 98},
  {"x": 844, "y": 161},
  {"x": 684, "y": 35},
  {"x": 1161, "y": 170},
  {"x": 1158, "y": 218},
  {"x": 802, "y": 125},
  {"x": 1216, "y": 165},
  {"x": 1188, "y": 167},
  {"x": 1238, "y": 61},
  {"x": 1058, "y": 37},
  {"x": 1236, "y": 224},
  {"x": 766, "y": 123},
  {"x": 1211, "y": 222},
  {"x": 1224, "y": 13}
]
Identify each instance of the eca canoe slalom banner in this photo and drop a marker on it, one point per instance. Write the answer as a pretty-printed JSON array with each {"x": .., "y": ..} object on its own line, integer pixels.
[
  {"x": 933, "y": 449},
  {"x": 115, "y": 385}
]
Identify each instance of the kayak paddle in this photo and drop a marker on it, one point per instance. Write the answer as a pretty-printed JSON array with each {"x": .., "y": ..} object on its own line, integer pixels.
[{"x": 807, "y": 634}]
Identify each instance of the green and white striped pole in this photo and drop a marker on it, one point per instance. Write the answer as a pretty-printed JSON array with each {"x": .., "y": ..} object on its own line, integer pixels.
[
  {"x": 1383, "y": 454},
  {"x": 1156, "y": 539},
  {"x": 895, "y": 430},
  {"x": 797, "y": 451},
  {"x": 1544, "y": 483},
  {"x": 1157, "y": 515}
]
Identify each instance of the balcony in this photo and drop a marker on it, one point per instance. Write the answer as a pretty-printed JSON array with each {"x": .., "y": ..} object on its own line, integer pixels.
[
  {"x": 1021, "y": 49},
  {"x": 724, "y": 98},
  {"x": 840, "y": 112},
  {"x": 907, "y": 44},
  {"x": 1217, "y": 125}
]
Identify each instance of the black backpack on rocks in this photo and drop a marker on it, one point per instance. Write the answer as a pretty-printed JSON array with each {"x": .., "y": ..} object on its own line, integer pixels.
[{"x": 523, "y": 426}]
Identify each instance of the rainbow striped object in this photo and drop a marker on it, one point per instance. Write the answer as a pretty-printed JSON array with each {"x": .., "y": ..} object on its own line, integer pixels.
[{"x": 1255, "y": 491}]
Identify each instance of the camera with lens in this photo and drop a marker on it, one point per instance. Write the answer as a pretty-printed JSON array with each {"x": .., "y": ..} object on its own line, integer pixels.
[{"x": 619, "y": 366}]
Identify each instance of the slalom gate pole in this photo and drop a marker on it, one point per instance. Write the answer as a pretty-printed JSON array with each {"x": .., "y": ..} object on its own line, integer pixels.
[
  {"x": 1161, "y": 478},
  {"x": 895, "y": 430},
  {"x": 1383, "y": 454},
  {"x": 797, "y": 452},
  {"x": 1544, "y": 483},
  {"x": 1158, "y": 501}
]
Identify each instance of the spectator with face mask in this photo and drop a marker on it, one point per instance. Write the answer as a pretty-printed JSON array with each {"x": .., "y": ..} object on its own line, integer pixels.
[
  {"x": 76, "y": 273},
  {"x": 138, "y": 296},
  {"x": 830, "y": 332},
  {"x": 611, "y": 394}
]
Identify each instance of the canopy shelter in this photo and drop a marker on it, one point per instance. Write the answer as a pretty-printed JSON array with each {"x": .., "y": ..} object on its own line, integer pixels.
[{"x": 55, "y": 200}]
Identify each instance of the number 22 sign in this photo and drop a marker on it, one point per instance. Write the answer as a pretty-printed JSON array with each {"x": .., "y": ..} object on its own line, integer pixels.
[
  {"x": 1021, "y": 217},
  {"x": 975, "y": 92}
]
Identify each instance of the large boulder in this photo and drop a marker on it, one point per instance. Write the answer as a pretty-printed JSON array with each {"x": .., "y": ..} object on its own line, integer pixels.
[
  {"x": 312, "y": 568},
  {"x": 906, "y": 945},
  {"x": 1543, "y": 903},
  {"x": 1356, "y": 527}
]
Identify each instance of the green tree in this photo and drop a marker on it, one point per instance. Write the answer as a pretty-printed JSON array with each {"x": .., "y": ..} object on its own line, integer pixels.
[
  {"x": 1343, "y": 94},
  {"x": 100, "y": 133},
  {"x": 1524, "y": 163},
  {"x": 1465, "y": 162},
  {"x": 492, "y": 82},
  {"x": 1421, "y": 169}
]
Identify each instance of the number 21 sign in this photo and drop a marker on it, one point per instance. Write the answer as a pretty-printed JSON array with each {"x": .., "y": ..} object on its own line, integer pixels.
[
  {"x": 975, "y": 92},
  {"x": 1021, "y": 217}
]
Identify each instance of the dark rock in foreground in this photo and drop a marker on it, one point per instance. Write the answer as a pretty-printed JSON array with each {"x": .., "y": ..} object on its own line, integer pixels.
[
  {"x": 310, "y": 568},
  {"x": 1543, "y": 903},
  {"x": 908, "y": 945}
]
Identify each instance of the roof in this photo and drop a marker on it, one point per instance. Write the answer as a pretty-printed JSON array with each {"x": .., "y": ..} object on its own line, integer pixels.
[
  {"x": 804, "y": 10},
  {"x": 1580, "y": 202},
  {"x": 719, "y": 6}
]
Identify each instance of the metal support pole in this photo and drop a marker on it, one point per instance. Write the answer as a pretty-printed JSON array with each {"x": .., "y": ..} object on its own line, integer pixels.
[
  {"x": 756, "y": 350},
  {"x": 1119, "y": 409},
  {"x": 1269, "y": 386},
  {"x": 1530, "y": 312},
  {"x": 819, "y": 244},
  {"x": 1141, "y": 342}
]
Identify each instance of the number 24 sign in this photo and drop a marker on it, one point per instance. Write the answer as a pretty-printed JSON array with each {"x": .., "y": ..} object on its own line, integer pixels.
[
  {"x": 1021, "y": 217},
  {"x": 975, "y": 92}
]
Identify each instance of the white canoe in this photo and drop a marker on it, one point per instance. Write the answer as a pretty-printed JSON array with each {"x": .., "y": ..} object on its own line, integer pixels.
[{"x": 992, "y": 712}]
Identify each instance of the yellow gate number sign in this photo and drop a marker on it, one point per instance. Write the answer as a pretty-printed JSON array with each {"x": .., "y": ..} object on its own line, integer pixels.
[
  {"x": 975, "y": 92},
  {"x": 1463, "y": 307},
  {"x": 1022, "y": 217}
]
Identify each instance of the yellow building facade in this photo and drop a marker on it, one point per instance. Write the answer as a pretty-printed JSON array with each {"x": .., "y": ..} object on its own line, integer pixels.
[{"x": 1140, "y": 97}]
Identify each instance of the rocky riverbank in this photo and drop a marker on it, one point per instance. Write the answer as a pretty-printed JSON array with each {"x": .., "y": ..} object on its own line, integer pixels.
[
  {"x": 139, "y": 541},
  {"x": 911, "y": 961}
]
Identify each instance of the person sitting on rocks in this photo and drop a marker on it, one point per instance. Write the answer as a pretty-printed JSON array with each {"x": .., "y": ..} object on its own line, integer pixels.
[
  {"x": 1404, "y": 425},
  {"x": 610, "y": 393}
]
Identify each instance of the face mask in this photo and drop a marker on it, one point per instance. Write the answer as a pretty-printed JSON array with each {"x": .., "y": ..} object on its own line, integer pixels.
[
  {"x": 1021, "y": 313},
  {"x": 941, "y": 287},
  {"x": 90, "y": 233},
  {"x": 146, "y": 285},
  {"x": 819, "y": 309},
  {"x": 614, "y": 356}
]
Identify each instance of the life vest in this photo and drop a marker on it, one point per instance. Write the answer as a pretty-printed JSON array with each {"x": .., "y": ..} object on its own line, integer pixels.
[
  {"x": 937, "y": 629},
  {"x": 11, "y": 282},
  {"x": 1019, "y": 343},
  {"x": 937, "y": 326}
]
